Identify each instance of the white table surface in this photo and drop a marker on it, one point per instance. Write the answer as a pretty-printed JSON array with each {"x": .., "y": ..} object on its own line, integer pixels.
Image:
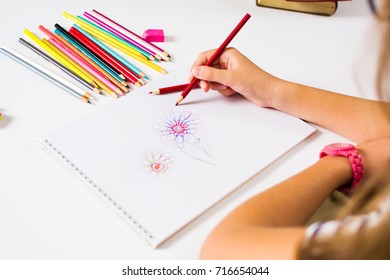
[{"x": 46, "y": 214}]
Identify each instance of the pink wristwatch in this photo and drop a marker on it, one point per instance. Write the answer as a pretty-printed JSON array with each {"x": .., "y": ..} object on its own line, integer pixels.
[{"x": 349, "y": 151}]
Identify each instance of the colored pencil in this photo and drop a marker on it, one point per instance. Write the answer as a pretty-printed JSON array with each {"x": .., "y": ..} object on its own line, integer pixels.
[
  {"x": 65, "y": 42},
  {"x": 113, "y": 40},
  {"x": 95, "y": 79},
  {"x": 125, "y": 50},
  {"x": 115, "y": 80},
  {"x": 90, "y": 66},
  {"x": 46, "y": 73},
  {"x": 217, "y": 53},
  {"x": 83, "y": 63},
  {"x": 135, "y": 36},
  {"x": 88, "y": 25},
  {"x": 118, "y": 45},
  {"x": 58, "y": 57},
  {"x": 59, "y": 66},
  {"x": 171, "y": 89},
  {"x": 111, "y": 52},
  {"x": 109, "y": 40},
  {"x": 113, "y": 30},
  {"x": 64, "y": 35},
  {"x": 118, "y": 38},
  {"x": 101, "y": 85},
  {"x": 106, "y": 57}
]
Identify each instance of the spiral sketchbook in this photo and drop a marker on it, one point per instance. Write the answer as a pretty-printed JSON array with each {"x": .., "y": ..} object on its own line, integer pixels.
[{"x": 160, "y": 166}]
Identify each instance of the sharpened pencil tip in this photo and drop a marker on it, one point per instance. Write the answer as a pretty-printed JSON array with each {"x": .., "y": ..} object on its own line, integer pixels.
[
  {"x": 88, "y": 96},
  {"x": 179, "y": 100}
]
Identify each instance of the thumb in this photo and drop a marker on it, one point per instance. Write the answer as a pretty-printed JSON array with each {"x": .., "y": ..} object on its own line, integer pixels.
[{"x": 210, "y": 74}]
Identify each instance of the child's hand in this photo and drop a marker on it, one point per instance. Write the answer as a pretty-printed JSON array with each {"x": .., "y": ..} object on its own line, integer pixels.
[{"x": 232, "y": 73}]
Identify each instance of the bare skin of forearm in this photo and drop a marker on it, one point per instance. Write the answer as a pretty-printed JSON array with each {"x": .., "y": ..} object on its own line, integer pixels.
[
  {"x": 270, "y": 225},
  {"x": 293, "y": 201},
  {"x": 354, "y": 118}
]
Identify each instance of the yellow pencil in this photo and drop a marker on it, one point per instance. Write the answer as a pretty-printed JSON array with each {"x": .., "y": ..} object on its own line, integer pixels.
[
  {"x": 140, "y": 59},
  {"x": 97, "y": 81},
  {"x": 58, "y": 57},
  {"x": 115, "y": 43},
  {"x": 108, "y": 75},
  {"x": 94, "y": 31}
]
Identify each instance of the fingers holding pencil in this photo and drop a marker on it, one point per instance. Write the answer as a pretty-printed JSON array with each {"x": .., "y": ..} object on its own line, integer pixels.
[{"x": 215, "y": 56}]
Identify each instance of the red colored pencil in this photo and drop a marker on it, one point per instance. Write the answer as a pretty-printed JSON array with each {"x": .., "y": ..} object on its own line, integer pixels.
[
  {"x": 217, "y": 53},
  {"x": 171, "y": 89},
  {"x": 133, "y": 78}
]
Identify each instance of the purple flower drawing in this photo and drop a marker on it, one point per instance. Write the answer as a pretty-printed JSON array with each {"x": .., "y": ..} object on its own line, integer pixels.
[{"x": 179, "y": 127}]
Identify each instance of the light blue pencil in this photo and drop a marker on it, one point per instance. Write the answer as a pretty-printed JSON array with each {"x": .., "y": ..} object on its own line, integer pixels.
[
  {"x": 111, "y": 52},
  {"x": 46, "y": 73}
]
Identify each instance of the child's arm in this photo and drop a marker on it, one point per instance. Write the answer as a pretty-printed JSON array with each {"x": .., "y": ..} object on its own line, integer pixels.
[
  {"x": 270, "y": 225},
  {"x": 357, "y": 119},
  {"x": 354, "y": 118}
]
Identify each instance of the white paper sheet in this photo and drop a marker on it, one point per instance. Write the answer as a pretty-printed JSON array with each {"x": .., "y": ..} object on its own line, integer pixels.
[{"x": 160, "y": 165}]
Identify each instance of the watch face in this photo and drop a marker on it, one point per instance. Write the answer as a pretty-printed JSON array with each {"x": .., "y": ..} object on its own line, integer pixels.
[{"x": 341, "y": 146}]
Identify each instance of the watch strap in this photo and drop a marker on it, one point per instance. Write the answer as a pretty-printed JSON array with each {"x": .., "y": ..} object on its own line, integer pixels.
[{"x": 356, "y": 163}]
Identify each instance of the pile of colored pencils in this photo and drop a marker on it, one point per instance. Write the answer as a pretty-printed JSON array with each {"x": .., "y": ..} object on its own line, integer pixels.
[{"x": 96, "y": 51}]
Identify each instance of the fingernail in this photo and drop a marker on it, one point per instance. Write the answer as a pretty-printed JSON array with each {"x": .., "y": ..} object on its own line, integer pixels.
[
  {"x": 220, "y": 87},
  {"x": 203, "y": 86}
]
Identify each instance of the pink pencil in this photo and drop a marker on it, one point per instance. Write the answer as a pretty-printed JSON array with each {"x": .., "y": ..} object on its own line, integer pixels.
[
  {"x": 121, "y": 35},
  {"x": 160, "y": 51},
  {"x": 47, "y": 32},
  {"x": 83, "y": 63}
]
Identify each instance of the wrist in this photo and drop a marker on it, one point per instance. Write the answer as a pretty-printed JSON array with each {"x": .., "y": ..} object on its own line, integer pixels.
[
  {"x": 349, "y": 152},
  {"x": 279, "y": 94}
]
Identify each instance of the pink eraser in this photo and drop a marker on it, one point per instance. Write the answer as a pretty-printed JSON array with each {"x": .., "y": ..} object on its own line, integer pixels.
[{"x": 154, "y": 35}]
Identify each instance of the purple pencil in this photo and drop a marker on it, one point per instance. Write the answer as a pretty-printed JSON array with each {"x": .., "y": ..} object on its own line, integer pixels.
[{"x": 157, "y": 49}]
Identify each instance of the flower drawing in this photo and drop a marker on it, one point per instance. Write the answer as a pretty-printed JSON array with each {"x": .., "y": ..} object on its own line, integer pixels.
[
  {"x": 184, "y": 130},
  {"x": 179, "y": 127},
  {"x": 157, "y": 162}
]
